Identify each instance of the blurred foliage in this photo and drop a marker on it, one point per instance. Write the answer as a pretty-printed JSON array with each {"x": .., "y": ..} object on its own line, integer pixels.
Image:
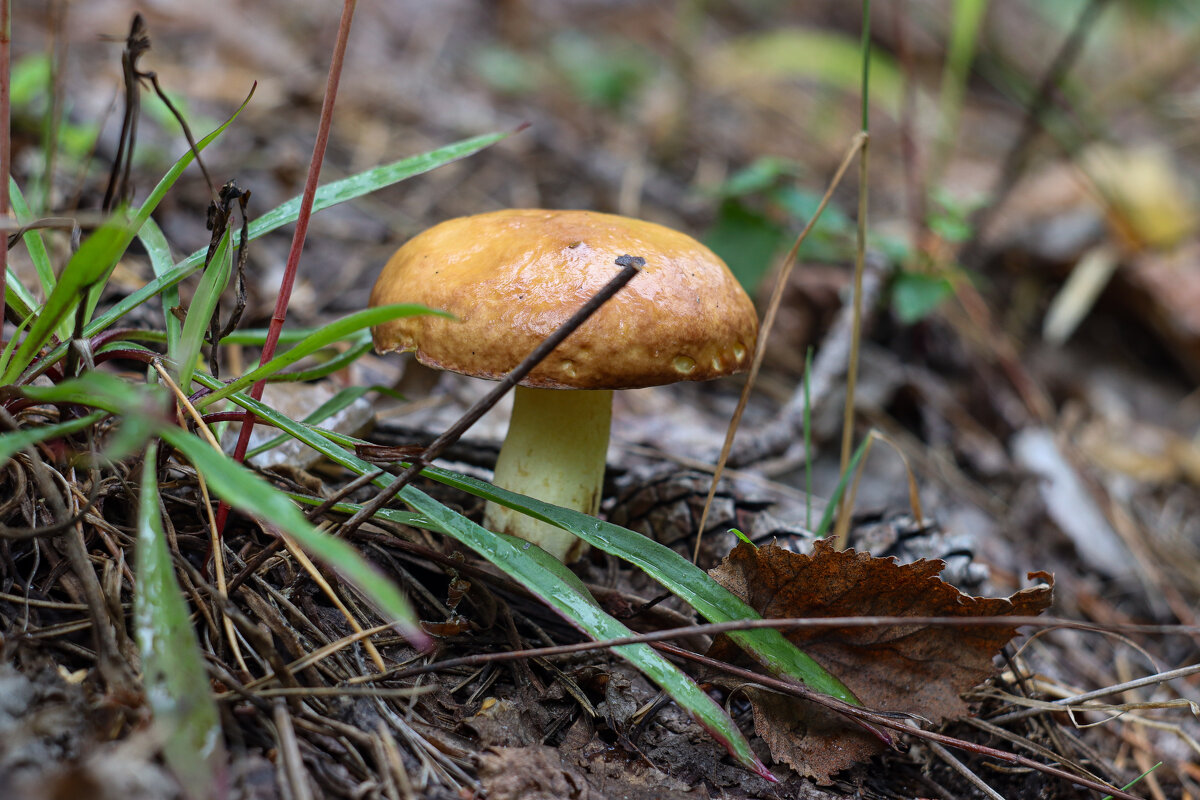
[
  {"x": 30, "y": 98},
  {"x": 602, "y": 73},
  {"x": 762, "y": 210},
  {"x": 826, "y": 58}
]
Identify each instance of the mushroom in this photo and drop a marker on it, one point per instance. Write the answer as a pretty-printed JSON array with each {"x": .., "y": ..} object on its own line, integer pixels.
[{"x": 511, "y": 278}]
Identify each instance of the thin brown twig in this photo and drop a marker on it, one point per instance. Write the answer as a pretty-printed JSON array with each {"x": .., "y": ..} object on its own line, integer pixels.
[
  {"x": 630, "y": 266},
  {"x": 901, "y": 723},
  {"x": 848, "y": 413},
  {"x": 5, "y": 143},
  {"x": 796, "y": 623},
  {"x": 301, "y": 231}
]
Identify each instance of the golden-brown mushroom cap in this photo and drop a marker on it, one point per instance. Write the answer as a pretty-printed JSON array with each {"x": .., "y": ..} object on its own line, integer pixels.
[{"x": 512, "y": 277}]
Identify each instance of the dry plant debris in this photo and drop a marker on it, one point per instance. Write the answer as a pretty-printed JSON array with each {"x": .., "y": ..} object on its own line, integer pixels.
[{"x": 918, "y": 669}]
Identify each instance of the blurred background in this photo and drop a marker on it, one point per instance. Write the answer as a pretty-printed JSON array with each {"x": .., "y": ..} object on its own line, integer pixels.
[{"x": 1033, "y": 337}]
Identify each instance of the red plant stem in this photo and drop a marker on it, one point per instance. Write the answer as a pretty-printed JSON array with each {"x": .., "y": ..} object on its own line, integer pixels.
[
  {"x": 5, "y": 148},
  {"x": 293, "y": 261}
]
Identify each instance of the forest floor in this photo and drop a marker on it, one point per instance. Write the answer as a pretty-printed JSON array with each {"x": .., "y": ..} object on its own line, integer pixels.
[{"x": 1030, "y": 350}]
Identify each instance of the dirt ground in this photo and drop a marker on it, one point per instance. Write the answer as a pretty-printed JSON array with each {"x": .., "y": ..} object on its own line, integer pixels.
[{"x": 1030, "y": 354}]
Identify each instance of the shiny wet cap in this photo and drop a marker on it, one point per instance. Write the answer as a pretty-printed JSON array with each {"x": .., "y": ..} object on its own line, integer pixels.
[{"x": 512, "y": 277}]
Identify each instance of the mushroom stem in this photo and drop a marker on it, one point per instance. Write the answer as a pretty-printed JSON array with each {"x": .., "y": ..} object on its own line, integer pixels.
[{"x": 555, "y": 451}]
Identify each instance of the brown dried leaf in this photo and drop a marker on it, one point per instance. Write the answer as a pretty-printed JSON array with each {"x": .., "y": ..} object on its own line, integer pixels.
[
  {"x": 529, "y": 773},
  {"x": 918, "y": 669}
]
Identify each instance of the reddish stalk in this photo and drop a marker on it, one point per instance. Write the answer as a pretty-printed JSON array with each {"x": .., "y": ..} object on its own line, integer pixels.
[
  {"x": 5, "y": 147},
  {"x": 306, "y": 204}
]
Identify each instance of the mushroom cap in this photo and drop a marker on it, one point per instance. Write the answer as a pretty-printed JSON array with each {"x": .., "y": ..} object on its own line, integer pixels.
[{"x": 512, "y": 277}]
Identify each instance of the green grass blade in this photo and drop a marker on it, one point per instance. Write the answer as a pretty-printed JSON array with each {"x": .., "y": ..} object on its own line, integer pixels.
[
  {"x": 32, "y": 238},
  {"x": 159, "y": 250},
  {"x": 333, "y": 405},
  {"x": 836, "y": 498},
  {"x": 199, "y": 315},
  {"x": 173, "y": 673},
  {"x": 683, "y": 578},
  {"x": 243, "y": 489},
  {"x": 711, "y": 599},
  {"x": 358, "y": 349},
  {"x": 11, "y": 345},
  {"x": 17, "y": 297},
  {"x": 257, "y": 336},
  {"x": 328, "y": 195},
  {"x": 15, "y": 441},
  {"x": 372, "y": 180},
  {"x": 235, "y": 484},
  {"x": 967, "y": 23},
  {"x": 85, "y": 269},
  {"x": 561, "y": 590},
  {"x": 323, "y": 337},
  {"x": 157, "y": 194}
]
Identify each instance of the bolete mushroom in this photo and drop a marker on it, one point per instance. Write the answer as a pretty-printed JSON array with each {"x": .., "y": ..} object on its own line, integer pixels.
[{"x": 511, "y": 278}]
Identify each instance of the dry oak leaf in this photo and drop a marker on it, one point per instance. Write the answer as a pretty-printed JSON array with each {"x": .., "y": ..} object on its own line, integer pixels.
[{"x": 915, "y": 668}]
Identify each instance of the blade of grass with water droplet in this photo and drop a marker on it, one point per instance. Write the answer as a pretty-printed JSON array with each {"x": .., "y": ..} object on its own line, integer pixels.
[{"x": 173, "y": 674}]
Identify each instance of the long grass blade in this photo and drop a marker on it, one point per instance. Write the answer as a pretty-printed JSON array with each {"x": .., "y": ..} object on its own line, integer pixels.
[
  {"x": 14, "y": 442},
  {"x": 237, "y": 485},
  {"x": 560, "y": 589},
  {"x": 173, "y": 673},
  {"x": 86, "y": 268},
  {"x": 32, "y": 238},
  {"x": 20, "y": 299},
  {"x": 328, "y": 195},
  {"x": 204, "y": 303},
  {"x": 322, "y": 337},
  {"x": 159, "y": 251}
]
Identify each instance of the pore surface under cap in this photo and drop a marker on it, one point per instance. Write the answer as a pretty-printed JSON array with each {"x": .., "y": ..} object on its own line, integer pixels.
[{"x": 512, "y": 277}]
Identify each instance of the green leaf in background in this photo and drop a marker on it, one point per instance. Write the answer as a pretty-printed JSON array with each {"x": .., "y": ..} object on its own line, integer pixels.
[
  {"x": 760, "y": 175},
  {"x": 916, "y": 295},
  {"x": 950, "y": 216},
  {"x": 747, "y": 241},
  {"x": 603, "y": 74},
  {"x": 823, "y": 57},
  {"x": 506, "y": 70},
  {"x": 173, "y": 674}
]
